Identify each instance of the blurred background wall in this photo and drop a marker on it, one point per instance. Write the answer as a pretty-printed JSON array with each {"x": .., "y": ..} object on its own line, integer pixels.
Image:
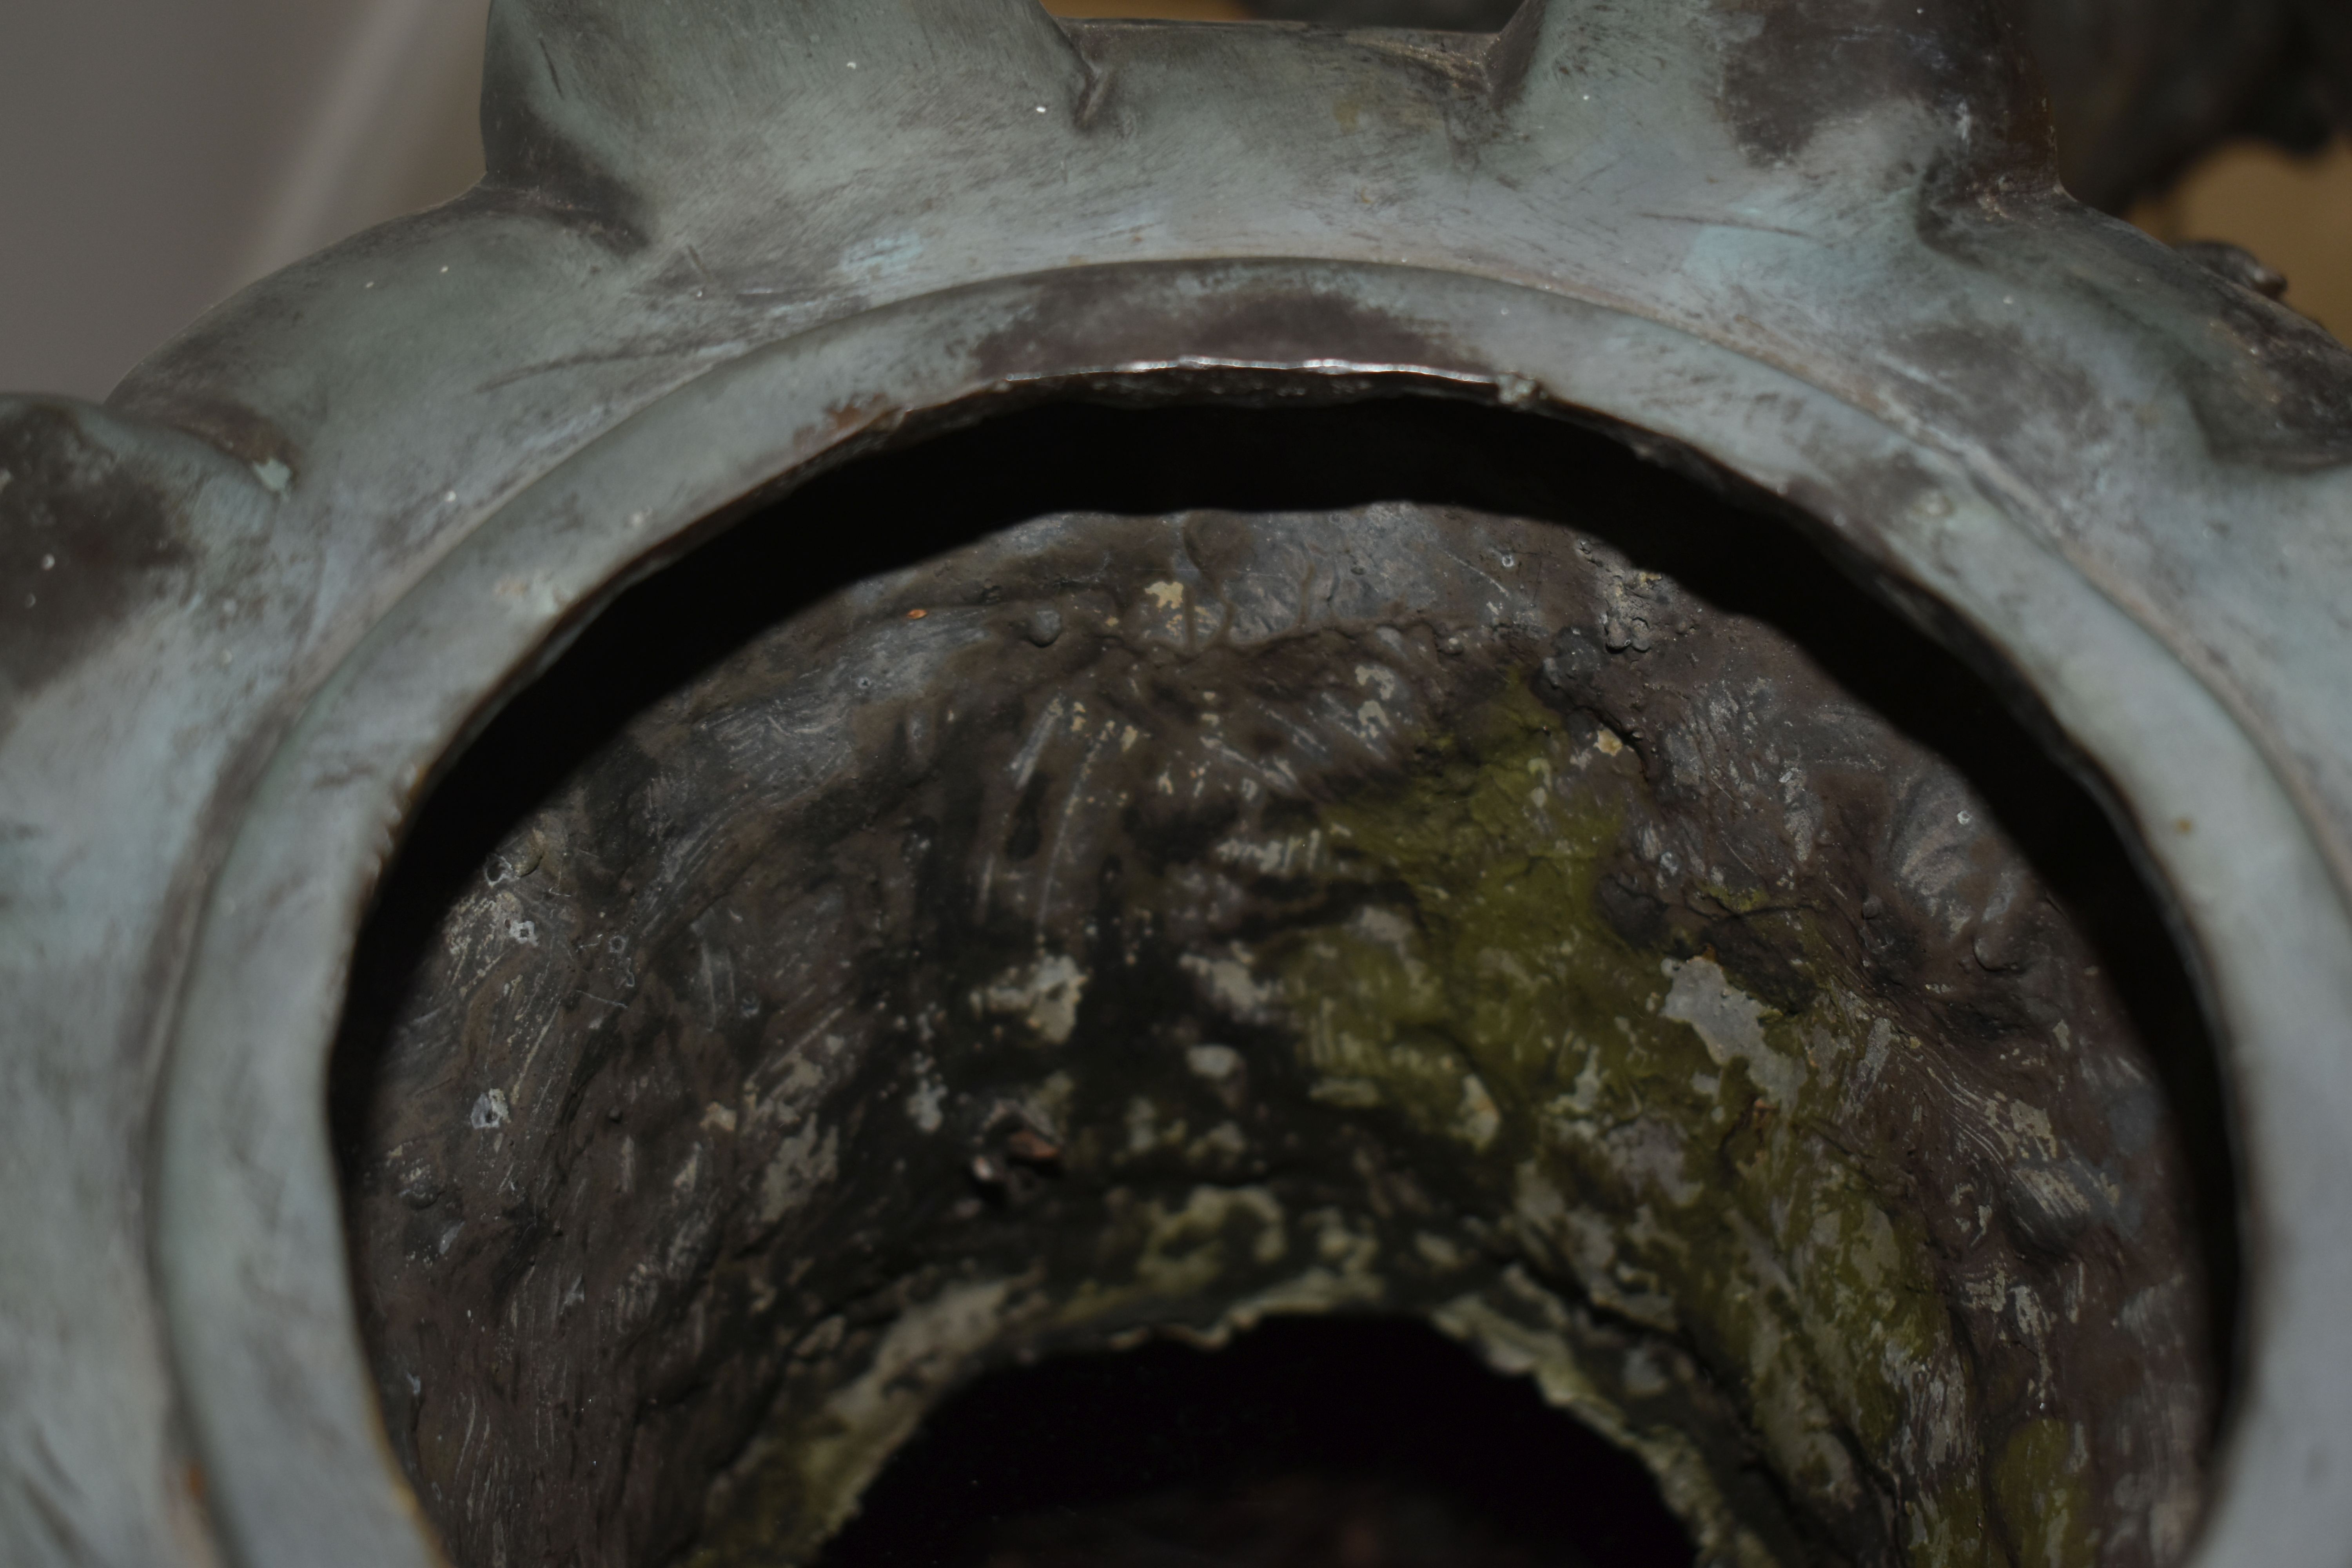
[{"x": 156, "y": 155}]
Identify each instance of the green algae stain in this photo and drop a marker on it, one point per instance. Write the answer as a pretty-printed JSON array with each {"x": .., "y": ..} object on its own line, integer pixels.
[
  {"x": 2037, "y": 1482},
  {"x": 1454, "y": 1001},
  {"x": 1479, "y": 995},
  {"x": 1151, "y": 1254}
]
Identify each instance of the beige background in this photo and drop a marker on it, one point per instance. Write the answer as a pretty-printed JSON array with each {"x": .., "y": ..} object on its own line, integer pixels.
[
  {"x": 2294, "y": 212},
  {"x": 155, "y": 155}
]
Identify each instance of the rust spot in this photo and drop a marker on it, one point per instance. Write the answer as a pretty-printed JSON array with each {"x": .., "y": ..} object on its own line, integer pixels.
[
  {"x": 857, "y": 413},
  {"x": 916, "y": 614},
  {"x": 1030, "y": 1148}
]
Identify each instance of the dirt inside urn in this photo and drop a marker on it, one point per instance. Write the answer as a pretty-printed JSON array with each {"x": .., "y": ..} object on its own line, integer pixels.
[{"x": 1108, "y": 877}]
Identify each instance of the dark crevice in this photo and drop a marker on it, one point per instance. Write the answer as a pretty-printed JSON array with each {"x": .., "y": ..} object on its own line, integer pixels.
[{"x": 1306, "y": 1443}]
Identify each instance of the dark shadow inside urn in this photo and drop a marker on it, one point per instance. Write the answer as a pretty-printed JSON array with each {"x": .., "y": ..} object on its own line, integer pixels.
[
  {"x": 1365, "y": 1442},
  {"x": 648, "y": 1303}
]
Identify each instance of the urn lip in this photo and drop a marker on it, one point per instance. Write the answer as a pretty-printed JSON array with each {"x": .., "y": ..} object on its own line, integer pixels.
[{"x": 247, "y": 1232}]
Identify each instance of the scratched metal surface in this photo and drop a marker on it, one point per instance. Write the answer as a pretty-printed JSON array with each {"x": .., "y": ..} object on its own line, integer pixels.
[{"x": 251, "y": 601}]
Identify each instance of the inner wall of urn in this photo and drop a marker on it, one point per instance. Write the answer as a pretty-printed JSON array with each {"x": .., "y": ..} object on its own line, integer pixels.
[{"x": 1402, "y": 860}]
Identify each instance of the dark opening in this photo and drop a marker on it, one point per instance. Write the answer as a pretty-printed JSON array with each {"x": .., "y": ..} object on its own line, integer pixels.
[{"x": 1306, "y": 1443}]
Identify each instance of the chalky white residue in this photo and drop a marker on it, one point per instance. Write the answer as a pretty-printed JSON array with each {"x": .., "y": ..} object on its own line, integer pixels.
[
  {"x": 1224, "y": 1142},
  {"x": 1233, "y": 986},
  {"x": 1801, "y": 816},
  {"x": 1286, "y": 857},
  {"x": 1215, "y": 1063},
  {"x": 924, "y": 1105},
  {"x": 1045, "y": 995},
  {"x": 1479, "y": 1118},
  {"x": 1438, "y": 1251},
  {"x": 804, "y": 1161},
  {"x": 1730, "y": 1023}
]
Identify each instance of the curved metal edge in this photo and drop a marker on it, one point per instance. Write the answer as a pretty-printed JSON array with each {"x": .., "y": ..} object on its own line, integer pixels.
[
  {"x": 248, "y": 1236},
  {"x": 102, "y": 874}
]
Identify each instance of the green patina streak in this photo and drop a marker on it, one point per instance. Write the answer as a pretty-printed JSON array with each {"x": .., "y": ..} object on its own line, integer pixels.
[
  {"x": 2044, "y": 1502},
  {"x": 1653, "y": 1168}
]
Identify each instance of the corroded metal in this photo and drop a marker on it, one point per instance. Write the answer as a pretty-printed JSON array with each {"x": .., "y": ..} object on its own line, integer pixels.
[
  {"x": 2140, "y": 88},
  {"x": 254, "y": 603}
]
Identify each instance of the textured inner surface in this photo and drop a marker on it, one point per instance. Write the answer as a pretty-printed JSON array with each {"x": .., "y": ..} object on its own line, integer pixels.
[{"x": 1133, "y": 924}]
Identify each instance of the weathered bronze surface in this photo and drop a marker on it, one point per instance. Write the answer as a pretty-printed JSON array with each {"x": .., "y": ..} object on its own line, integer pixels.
[{"x": 255, "y": 606}]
